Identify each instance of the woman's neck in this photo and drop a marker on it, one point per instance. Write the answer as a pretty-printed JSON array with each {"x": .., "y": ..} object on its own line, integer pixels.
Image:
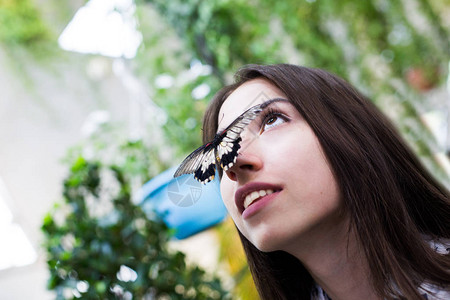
[{"x": 337, "y": 263}]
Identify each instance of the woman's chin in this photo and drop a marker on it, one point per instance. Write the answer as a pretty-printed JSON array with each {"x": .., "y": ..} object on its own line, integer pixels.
[{"x": 267, "y": 244}]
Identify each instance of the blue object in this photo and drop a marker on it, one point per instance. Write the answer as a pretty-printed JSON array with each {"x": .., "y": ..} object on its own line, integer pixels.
[{"x": 185, "y": 205}]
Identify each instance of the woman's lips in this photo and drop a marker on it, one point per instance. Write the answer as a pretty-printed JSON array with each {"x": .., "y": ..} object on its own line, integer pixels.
[
  {"x": 259, "y": 204},
  {"x": 255, "y": 196},
  {"x": 254, "y": 192}
]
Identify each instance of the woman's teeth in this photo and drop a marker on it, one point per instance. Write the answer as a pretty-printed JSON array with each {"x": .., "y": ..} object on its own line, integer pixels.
[{"x": 255, "y": 195}]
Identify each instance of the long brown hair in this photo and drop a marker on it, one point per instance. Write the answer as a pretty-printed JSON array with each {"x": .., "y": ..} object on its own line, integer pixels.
[{"x": 392, "y": 200}]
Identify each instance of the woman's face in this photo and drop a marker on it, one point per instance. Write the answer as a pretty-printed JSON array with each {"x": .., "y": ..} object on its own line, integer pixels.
[{"x": 282, "y": 165}]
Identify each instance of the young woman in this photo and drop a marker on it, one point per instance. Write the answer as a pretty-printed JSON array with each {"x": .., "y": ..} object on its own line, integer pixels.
[{"x": 329, "y": 201}]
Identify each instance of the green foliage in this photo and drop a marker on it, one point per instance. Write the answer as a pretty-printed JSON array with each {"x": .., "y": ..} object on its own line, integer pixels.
[
  {"x": 184, "y": 112},
  {"x": 21, "y": 24},
  {"x": 103, "y": 251},
  {"x": 100, "y": 245},
  {"x": 223, "y": 34}
]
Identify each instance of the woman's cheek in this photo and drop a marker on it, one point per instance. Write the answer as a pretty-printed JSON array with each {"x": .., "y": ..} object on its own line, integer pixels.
[{"x": 227, "y": 193}]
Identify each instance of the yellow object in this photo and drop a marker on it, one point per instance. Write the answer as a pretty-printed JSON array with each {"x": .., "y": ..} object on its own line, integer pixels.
[{"x": 232, "y": 254}]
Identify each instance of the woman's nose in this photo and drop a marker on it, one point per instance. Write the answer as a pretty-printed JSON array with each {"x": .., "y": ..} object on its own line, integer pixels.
[{"x": 247, "y": 163}]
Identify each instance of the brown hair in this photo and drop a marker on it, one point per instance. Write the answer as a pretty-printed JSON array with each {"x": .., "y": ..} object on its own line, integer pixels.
[{"x": 392, "y": 200}]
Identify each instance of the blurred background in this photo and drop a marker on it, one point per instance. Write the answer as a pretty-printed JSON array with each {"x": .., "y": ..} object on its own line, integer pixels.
[{"x": 98, "y": 97}]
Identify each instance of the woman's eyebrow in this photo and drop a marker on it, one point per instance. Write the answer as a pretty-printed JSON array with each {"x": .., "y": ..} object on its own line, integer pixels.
[
  {"x": 263, "y": 106},
  {"x": 269, "y": 102}
]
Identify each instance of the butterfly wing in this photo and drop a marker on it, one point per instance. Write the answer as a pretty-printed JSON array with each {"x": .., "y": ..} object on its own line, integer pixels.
[
  {"x": 201, "y": 162},
  {"x": 227, "y": 148},
  {"x": 223, "y": 149}
]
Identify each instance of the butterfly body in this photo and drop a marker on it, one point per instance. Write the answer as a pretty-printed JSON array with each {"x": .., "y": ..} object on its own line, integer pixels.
[{"x": 221, "y": 152}]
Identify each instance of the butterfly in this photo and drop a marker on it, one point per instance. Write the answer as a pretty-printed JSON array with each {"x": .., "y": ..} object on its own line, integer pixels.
[{"x": 221, "y": 151}]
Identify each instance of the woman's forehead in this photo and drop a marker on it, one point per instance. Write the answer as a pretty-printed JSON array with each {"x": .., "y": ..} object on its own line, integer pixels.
[{"x": 249, "y": 94}]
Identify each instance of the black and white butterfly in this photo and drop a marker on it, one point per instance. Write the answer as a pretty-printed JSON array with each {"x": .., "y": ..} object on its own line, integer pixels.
[{"x": 222, "y": 151}]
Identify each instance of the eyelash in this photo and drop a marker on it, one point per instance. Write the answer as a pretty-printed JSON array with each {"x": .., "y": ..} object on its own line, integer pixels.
[{"x": 270, "y": 113}]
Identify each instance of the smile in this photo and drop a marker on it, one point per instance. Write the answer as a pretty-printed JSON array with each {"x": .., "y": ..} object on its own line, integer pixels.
[
  {"x": 254, "y": 192},
  {"x": 253, "y": 196}
]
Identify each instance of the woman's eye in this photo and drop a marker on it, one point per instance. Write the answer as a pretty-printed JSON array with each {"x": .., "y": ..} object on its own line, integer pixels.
[{"x": 272, "y": 121}]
